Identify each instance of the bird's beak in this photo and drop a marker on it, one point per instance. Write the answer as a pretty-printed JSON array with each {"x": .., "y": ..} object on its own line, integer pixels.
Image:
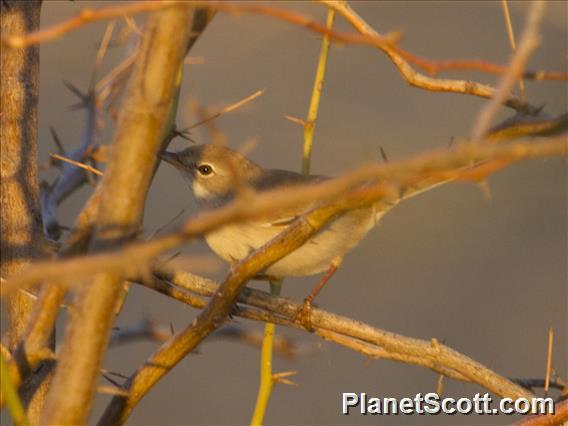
[{"x": 171, "y": 158}]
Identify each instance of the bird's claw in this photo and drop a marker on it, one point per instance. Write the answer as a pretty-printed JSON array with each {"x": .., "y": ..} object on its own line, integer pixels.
[
  {"x": 304, "y": 315},
  {"x": 234, "y": 311}
]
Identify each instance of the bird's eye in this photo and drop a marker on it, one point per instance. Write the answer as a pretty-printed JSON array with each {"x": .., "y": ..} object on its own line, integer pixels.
[{"x": 205, "y": 169}]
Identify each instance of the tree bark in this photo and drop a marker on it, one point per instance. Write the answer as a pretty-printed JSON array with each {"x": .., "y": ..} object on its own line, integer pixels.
[{"x": 21, "y": 234}]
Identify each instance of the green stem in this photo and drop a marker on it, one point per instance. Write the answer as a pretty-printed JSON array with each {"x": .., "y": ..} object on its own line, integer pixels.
[{"x": 266, "y": 375}]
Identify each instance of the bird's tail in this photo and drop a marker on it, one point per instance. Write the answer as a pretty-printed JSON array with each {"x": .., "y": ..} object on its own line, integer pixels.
[{"x": 512, "y": 128}]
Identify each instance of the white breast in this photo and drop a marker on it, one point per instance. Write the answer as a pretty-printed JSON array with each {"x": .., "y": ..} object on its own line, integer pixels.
[{"x": 234, "y": 242}]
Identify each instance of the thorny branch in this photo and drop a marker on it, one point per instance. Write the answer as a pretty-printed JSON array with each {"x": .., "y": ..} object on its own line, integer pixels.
[
  {"x": 282, "y": 313},
  {"x": 150, "y": 329},
  {"x": 261, "y": 306},
  {"x": 437, "y": 166},
  {"x": 143, "y": 125},
  {"x": 411, "y": 176},
  {"x": 529, "y": 42},
  {"x": 413, "y": 77},
  {"x": 71, "y": 177},
  {"x": 21, "y": 237},
  {"x": 369, "y": 36}
]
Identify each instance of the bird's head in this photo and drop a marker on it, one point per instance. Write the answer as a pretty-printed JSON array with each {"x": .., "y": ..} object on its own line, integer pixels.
[{"x": 212, "y": 170}]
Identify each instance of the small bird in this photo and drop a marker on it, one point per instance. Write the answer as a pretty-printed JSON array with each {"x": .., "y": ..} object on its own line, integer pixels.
[{"x": 215, "y": 172}]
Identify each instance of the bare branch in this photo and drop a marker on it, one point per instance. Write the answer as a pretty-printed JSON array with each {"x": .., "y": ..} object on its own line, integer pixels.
[
  {"x": 411, "y": 76},
  {"x": 511, "y": 35},
  {"x": 353, "y": 334},
  {"x": 71, "y": 177},
  {"x": 411, "y": 176},
  {"x": 21, "y": 236},
  {"x": 340, "y": 330},
  {"x": 227, "y": 109},
  {"x": 558, "y": 418},
  {"x": 141, "y": 130},
  {"x": 215, "y": 313},
  {"x": 77, "y": 163},
  {"x": 400, "y": 57},
  {"x": 529, "y": 42}
]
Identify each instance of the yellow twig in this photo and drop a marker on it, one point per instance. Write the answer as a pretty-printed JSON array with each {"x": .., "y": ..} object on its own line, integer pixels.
[
  {"x": 316, "y": 95},
  {"x": 548, "y": 360},
  {"x": 15, "y": 407},
  {"x": 266, "y": 375}
]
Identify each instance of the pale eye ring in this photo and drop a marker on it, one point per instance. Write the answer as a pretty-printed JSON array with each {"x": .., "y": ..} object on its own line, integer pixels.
[{"x": 205, "y": 169}]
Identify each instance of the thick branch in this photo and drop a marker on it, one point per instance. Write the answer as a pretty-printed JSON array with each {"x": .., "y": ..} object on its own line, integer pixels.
[
  {"x": 338, "y": 329},
  {"x": 141, "y": 130},
  {"x": 216, "y": 312},
  {"x": 558, "y": 418},
  {"x": 20, "y": 214},
  {"x": 20, "y": 221}
]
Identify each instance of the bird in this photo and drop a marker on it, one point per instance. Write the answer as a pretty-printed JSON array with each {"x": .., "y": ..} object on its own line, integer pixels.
[{"x": 215, "y": 172}]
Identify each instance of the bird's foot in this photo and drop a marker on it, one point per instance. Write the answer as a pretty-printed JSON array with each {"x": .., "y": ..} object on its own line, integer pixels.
[
  {"x": 304, "y": 315},
  {"x": 235, "y": 311}
]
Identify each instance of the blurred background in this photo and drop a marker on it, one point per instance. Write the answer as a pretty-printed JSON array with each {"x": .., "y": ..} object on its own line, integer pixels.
[{"x": 487, "y": 277}]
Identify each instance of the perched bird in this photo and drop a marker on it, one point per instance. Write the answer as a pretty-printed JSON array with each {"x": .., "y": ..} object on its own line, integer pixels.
[{"x": 214, "y": 171}]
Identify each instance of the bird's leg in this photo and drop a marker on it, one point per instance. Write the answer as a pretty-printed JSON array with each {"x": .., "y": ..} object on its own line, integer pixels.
[
  {"x": 305, "y": 313},
  {"x": 264, "y": 277}
]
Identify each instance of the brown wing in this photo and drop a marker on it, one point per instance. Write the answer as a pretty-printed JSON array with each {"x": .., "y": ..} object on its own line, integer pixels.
[{"x": 276, "y": 178}]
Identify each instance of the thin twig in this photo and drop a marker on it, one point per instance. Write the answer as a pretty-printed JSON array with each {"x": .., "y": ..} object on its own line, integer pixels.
[
  {"x": 91, "y": 15},
  {"x": 266, "y": 373},
  {"x": 316, "y": 95},
  {"x": 548, "y": 359},
  {"x": 415, "y": 175},
  {"x": 410, "y": 75},
  {"x": 369, "y": 37},
  {"x": 435, "y": 67},
  {"x": 102, "y": 51},
  {"x": 511, "y": 35},
  {"x": 529, "y": 42},
  {"x": 554, "y": 383},
  {"x": 118, "y": 74},
  {"x": 145, "y": 329},
  {"x": 227, "y": 109},
  {"x": 112, "y": 390},
  {"x": 165, "y": 225},
  {"x": 295, "y": 120},
  {"x": 72, "y": 177},
  {"x": 77, "y": 163}
]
